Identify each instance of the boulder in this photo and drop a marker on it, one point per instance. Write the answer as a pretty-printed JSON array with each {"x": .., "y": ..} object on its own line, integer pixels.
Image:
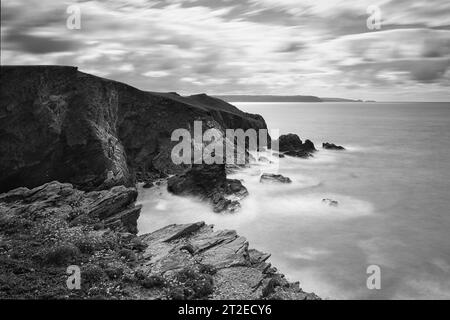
[
  {"x": 270, "y": 177},
  {"x": 209, "y": 182},
  {"x": 291, "y": 145},
  {"x": 331, "y": 146}
]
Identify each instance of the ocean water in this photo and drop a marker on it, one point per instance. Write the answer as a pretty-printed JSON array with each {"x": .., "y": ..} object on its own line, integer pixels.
[{"x": 393, "y": 188}]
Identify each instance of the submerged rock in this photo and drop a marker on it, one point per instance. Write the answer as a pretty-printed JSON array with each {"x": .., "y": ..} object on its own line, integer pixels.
[
  {"x": 330, "y": 202},
  {"x": 332, "y": 146},
  {"x": 209, "y": 182},
  {"x": 270, "y": 177},
  {"x": 148, "y": 185},
  {"x": 291, "y": 145}
]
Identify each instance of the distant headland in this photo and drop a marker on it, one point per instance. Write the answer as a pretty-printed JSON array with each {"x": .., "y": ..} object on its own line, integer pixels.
[{"x": 276, "y": 98}]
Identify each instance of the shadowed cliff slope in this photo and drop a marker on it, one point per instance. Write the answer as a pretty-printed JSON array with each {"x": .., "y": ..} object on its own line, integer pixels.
[{"x": 57, "y": 123}]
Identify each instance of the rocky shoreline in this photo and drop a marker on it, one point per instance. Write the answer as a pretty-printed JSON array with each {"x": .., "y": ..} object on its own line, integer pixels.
[
  {"x": 73, "y": 146},
  {"x": 48, "y": 228}
]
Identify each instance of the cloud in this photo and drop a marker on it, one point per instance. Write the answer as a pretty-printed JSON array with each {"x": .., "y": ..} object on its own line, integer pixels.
[
  {"x": 22, "y": 41},
  {"x": 241, "y": 46}
]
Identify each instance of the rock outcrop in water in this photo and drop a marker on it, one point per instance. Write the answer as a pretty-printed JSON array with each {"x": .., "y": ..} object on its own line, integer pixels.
[
  {"x": 57, "y": 123},
  {"x": 332, "y": 146},
  {"x": 270, "y": 177},
  {"x": 291, "y": 145},
  {"x": 330, "y": 202},
  {"x": 48, "y": 228},
  {"x": 209, "y": 182}
]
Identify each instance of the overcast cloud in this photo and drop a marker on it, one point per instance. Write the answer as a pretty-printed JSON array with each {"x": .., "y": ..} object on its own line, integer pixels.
[{"x": 317, "y": 47}]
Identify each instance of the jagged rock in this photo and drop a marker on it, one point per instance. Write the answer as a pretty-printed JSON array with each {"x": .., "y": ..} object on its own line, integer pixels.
[
  {"x": 240, "y": 272},
  {"x": 209, "y": 182},
  {"x": 330, "y": 202},
  {"x": 115, "y": 208},
  {"x": 57, "y": 123},
  {"x": 270, "y": 177},
  {"x": 332, "y": 146},
  {"x": 235, "y": 188},
  {"x": 291, "y": 145},
  {"x": 38, "y": 241},
  {"x": 148, "y": 185}
]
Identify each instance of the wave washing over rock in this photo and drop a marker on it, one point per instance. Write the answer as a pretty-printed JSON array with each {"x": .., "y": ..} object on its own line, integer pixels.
[{"x": 97, "y": 137}]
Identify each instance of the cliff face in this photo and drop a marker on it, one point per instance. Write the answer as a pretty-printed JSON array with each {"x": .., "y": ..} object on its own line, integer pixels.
[{"x": 57, "y": 123}]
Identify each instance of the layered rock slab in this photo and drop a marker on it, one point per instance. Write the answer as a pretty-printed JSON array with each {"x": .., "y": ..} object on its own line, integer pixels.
[
  {"x": 45, "y": 229},
  {"x": 242, "y": 273}
]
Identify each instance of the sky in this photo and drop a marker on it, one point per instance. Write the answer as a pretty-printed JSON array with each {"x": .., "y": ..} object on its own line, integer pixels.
[{"x": 280, "y": 47}]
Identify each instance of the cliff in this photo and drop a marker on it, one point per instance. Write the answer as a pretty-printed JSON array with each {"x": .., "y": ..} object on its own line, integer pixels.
[
  {"x": 95, "y": 136},
  {"x": 57, "y": 123}
]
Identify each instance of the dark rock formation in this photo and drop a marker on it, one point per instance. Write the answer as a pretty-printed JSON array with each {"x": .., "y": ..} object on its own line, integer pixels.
[
  {"x": 270, "y": 177},
  {"x": 330, "y": 202},
  {"x": 113, "y": 208},
  {"x": 291, "y": 145},
  {"x": 331, "y": 146},
  {"x": 148, "y": 185},
  {"x": 48, "y": 228},
  {"x": 57, "y": 123},
  {"x": 209, "y": 182}
]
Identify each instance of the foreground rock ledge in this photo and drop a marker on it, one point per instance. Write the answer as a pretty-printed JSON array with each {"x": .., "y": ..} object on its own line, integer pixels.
[{"x": 46, "y": 229}]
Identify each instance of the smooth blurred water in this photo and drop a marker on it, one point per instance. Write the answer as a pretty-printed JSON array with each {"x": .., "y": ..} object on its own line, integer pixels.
[{"x": 392, "y": 185}]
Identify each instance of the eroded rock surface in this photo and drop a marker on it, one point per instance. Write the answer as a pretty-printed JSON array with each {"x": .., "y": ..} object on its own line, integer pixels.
[
  {"x": 113, "y": 208},
  {"x": 209, "y": 182},
  {"x": 239, "y": 272},
  {"x": 48, "y": 228}
]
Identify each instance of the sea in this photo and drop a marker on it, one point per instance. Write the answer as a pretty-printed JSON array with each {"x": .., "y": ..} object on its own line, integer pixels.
[{"x": 392, "y": 186}]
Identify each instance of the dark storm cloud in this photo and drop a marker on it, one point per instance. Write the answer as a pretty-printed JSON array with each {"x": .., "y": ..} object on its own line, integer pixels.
[
  {"x": 292, "y": 47},
  {"x": 436, "y": 48},
  {"x": 21, "y": 41}
]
